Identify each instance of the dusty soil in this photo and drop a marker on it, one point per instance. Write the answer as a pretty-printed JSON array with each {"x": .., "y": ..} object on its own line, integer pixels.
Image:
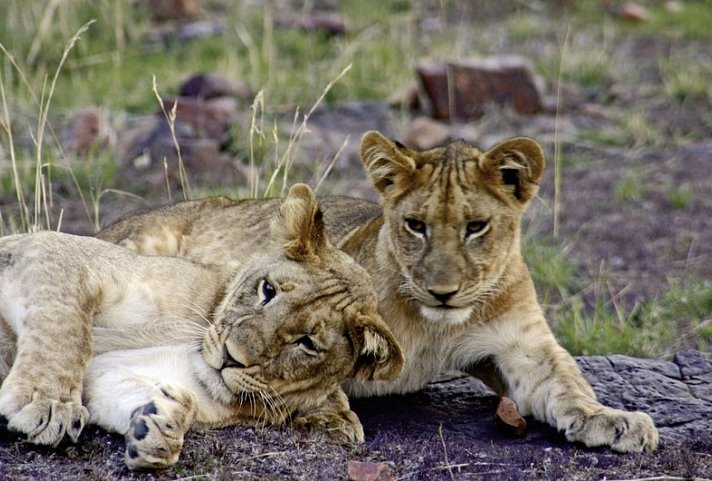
[{"x": 447, "y": 431}]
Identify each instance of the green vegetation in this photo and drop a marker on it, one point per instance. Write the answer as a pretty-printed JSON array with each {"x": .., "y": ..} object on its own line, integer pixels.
[
  {"x": 629, "y": 188},
  {"x": 587, "y": 318},
  {"x": 681, "y": 195}
]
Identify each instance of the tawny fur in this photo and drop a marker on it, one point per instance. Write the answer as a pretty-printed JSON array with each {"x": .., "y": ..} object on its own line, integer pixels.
[
  {"x": 150, "y": 346},
  {"x": 443, "y": 251}
]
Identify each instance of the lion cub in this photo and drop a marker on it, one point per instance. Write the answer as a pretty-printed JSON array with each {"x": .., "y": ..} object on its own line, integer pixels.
[
  {"x": 177, "y": 344},
  {"x": 443, "y": 251}
]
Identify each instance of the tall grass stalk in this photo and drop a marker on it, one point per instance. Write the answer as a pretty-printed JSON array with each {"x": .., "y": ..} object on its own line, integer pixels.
[
  {"x": 41, "y": 198},
  {"x": 7, "y": 126},
  {"x": 171, "y": 119},
  {"x": 295, "y": 137},
  {"x": 557, "y": 143},
  {"x": 257, "y": 131}
]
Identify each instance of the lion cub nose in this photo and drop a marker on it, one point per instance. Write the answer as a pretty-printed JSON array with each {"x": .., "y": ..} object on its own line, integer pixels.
[{"x": 443, "y": 293}]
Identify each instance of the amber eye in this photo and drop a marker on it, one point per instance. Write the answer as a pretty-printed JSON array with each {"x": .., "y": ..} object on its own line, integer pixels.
[
  {"x": 266, "y": 291},
  {"x": 307, "y": 345},
  {"x": 476, "y": 228},
  {"x": 415, "y": 226}
]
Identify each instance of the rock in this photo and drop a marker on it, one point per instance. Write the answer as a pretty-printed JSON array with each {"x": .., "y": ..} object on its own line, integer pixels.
[
  {"x": 87, "y": 131},
  {"x": 508, "y": 415},
  {"x": 361, "y": 471},
  {"x": 505, "y": 81},
  {"x": 208, "y": 86},
  {"x": 407, "y": 98},
  {"x": 134, "y": 142},
  {"x": 331, "y": 24},
  {"x": 209, "y": 118},
  {"x": 182, "y": 32},
  {"x": 674, "y": 6},
  {"x": 424, "y": 133},
  {"x": 633, "y": 12},
  {"x": 201, "y": 158},
  {"x": 170, "y": 10},
  {"x": 677, "y": 394}
]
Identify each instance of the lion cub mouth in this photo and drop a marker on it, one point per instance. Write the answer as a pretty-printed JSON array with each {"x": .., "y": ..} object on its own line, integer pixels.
[{"x": 230, "y": 361}]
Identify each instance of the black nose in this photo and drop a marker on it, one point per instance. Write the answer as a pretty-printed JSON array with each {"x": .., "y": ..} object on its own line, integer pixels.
[{"x": 443, "y": 297}]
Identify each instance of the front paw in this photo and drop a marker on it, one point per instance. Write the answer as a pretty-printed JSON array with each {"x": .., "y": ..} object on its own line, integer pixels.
[
  {"x": 623, "y": 431},
  {"x": 42, "y": 419},
  {"x": 155, "y": 436},
  {"x": 342, "y": 426}
]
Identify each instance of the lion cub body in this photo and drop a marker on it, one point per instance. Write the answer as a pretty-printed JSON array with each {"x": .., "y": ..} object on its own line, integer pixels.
[
  {"x": 443, "y": 252},
  {"x": 148, "y": 346}
]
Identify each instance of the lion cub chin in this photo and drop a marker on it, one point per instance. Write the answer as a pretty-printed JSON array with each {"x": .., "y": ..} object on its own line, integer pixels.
[{"x": 151, "y": 346}]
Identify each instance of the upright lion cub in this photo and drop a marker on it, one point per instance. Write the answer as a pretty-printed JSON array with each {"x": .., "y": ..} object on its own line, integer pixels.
[
  {"x": 443, "y": 252},
  {"x": 175, "y": 344}
]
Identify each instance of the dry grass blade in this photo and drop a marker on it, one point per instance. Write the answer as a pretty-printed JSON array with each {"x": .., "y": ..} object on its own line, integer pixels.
[
  {"x": 7, "y": 126},
  {"x": 40, "y": 187},
  {"x": 171, "y": 119},
  {"x": 557, "y": 143},
  {"x": 447, "y": 466}
]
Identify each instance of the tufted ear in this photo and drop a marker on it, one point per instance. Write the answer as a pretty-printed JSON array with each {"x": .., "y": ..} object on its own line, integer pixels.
[
  {"x": 299, "y": 227},
  {"x": 379, "y": 354},
  {"x": 388, "y": 164},
  {"x": 516, "y": 165}
]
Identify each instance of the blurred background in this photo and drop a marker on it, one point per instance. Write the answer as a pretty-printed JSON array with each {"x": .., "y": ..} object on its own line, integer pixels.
[{"x": 108, "y": 106}]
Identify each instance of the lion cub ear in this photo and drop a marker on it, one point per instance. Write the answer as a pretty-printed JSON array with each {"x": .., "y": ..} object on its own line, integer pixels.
[
  {"x": 517, "y": 165},
  {"x": 299, "y": 227},
  {"x": 379, "y": 354},
  {"x": 388, "y": 164}
]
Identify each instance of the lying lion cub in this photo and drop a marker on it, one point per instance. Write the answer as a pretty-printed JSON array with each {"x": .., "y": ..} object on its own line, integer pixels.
[
  {"x": 178, "y": 344},
  {"x": 443, "y": 252}
]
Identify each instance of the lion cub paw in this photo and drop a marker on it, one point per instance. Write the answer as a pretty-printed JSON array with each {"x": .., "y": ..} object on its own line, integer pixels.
[
  {"x": 155, "y": 435},
  {"x": 623, "y": 431},
  {"x": 342, "y": 426},
  {"x": 42, "y": 419}
]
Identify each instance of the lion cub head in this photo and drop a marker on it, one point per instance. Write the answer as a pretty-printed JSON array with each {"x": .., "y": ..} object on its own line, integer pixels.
[
  {"x": 295, "y": 323},
  {"x": 452, "y": 217}
]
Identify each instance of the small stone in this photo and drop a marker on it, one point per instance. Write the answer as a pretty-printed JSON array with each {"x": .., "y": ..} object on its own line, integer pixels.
[
  {"x": 170, "y": 10},
  {"x": 424, "y": 133},
  {"x": 87, "y": 131},
  {"x": 633, "y": 12},
  {"x": 209, "y": 118},
  {"x": 674, "y": 6},
  {"x": 508, "y": 415},
  {"x": 364, "y": 471},
  {"x": 467, "y": 88},
  {"x": 331, "y": 24},
  {"x": 207, "y": 86}
]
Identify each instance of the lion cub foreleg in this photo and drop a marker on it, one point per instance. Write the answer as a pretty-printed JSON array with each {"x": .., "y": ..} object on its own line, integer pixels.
[
  {"x": 149, "y": 396},
  {"x": 41, "y": 395},
  {"x": 544, "y": 380},
  {"x": 334, "y": 417}
]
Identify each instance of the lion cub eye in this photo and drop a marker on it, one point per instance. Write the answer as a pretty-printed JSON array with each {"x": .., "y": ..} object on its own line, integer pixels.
[
  {"x": 415, "y": 226},
  {"x": 476, "y": 228},
  {"x": 306, "y": 344},
  {"x": 266, "y": 291}
]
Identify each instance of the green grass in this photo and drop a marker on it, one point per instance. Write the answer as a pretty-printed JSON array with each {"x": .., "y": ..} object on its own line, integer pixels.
[
  {"x": 629, "y": 188},
  {"x": 680, "y": 196},
  {"x": 588, "y": 319},
  {"x": 681, "y": 318}
]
